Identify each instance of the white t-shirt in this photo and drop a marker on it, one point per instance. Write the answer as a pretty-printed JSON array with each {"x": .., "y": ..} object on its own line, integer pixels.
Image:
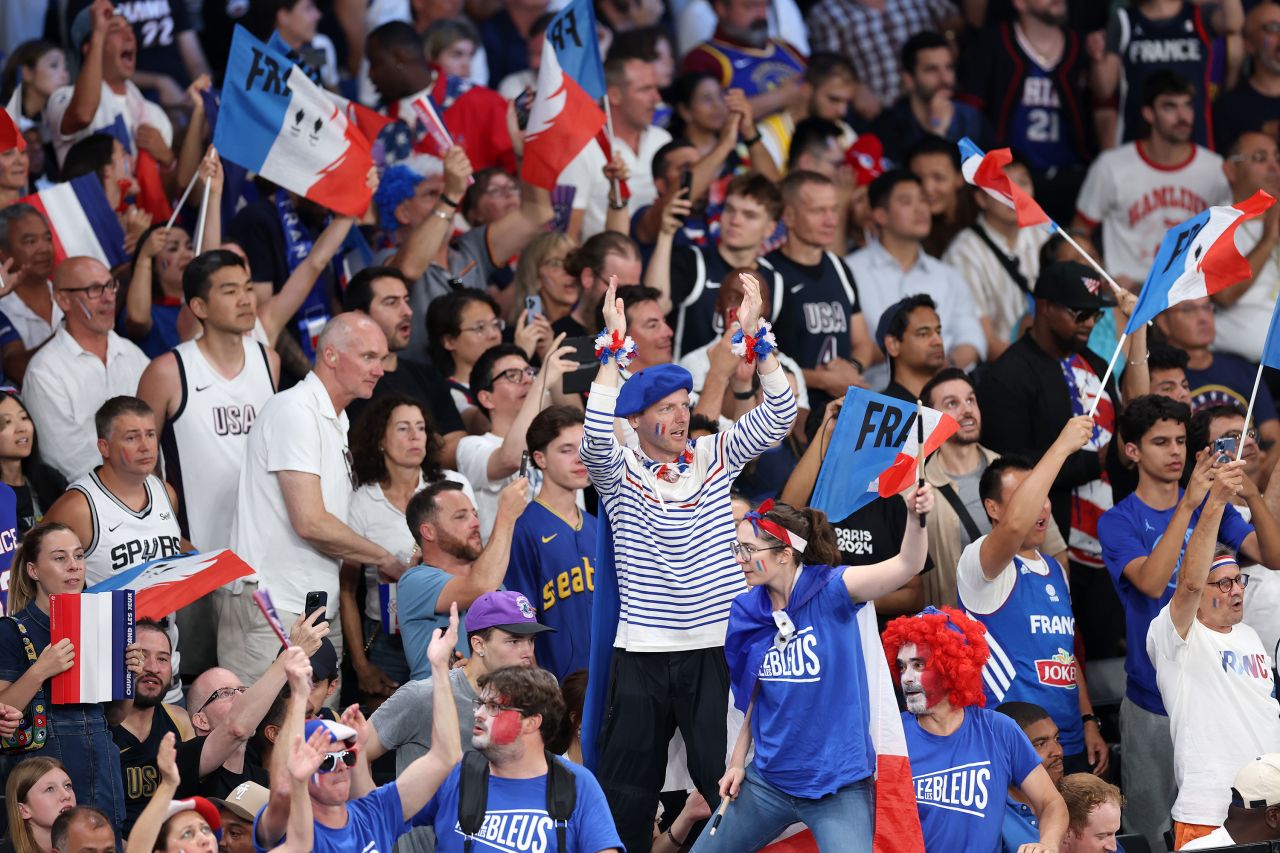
[
  {"x": 995, "y": 293},
  {"x": 1208, "y": 681},
  {"x": 297, "y": 430},
  {"x": 592, "y": 188},
  {"x": 1262, "y": 599},
  {"x": 1242, "y": 328},
  {"x": 132, "y": 105},
  {"x": 1137, "y": 201},
  {"x": 981, "y": 595},
  {"x": 473, "y": 463}
]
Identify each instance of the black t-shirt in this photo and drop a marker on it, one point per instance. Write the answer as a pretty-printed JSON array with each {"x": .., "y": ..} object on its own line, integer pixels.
[
  {"x": 221, "y": 782},
  {"x": 138, "y": 762},
  {"x": 893, "y": 389},
  {"x": 696, "y": 273},
  {"x": 1243, "y": 109},
  {"x": 874, "y": 533},
  {"x": 569, "y": 327},
  {"x": 156, "y": 25},
  {"x": 423, "y": 384},
  {"x": 812, "y": 324}
]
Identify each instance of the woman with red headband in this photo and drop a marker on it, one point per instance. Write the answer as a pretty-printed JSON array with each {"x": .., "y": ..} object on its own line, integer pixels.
[{"x": 793, "y": 646}]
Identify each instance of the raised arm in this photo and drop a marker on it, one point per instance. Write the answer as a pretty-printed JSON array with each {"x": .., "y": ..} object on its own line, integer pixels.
[
  {"x": 804, "y": 477},
  {"x": 271, "y": 826},
  {"x": 421, "y": 245},
  {"x": 601, "y": 453},
  {"x": 276, "y": 311},
  {"x": 88, "y": 89},
  {"x": 867, "y": 583},
  {"x": 137, "y": 306},
  {"x": 1198, "y": 559},
  {"x": 768, "y": 423},
  {"x": 658, "y": 274},
  {"x": 142, "y": 839},
  {"x": 490, "y": 567},
  {"x": 1151, "y": 574},
  {"x": 1026, "y": 504},
  {"x": 421, "y": 779},
  {"x": 1050, "y": 809},
  {"x": 304, "y": 761}
]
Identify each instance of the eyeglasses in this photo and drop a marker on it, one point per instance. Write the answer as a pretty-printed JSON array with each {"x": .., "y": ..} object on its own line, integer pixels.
[
  {"x": 329, "y": 763},
  {"x": 1258, "y": 157},
  {"x": 554, "y": 262},
  {"x": 493, "y": 708},
  {"x": 94, "y": 291},
  {"x": 1225, "y": 584},
  {"x": 490, "y": 325},
  {"x": 1236, "y": 434},
  {"x": 515, "y": 375},
  {"x": 502, "y": 190},
  {"x": 221, "y": 693},
  {"x": 743, "y": 552}
]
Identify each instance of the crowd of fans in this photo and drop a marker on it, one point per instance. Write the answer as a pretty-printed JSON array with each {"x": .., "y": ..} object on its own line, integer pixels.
[{"x": 487, "y": 438}]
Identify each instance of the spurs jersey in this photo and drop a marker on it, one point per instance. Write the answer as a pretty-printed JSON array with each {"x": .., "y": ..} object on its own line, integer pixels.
[
  {"x": 122, "y": 537},
  {"x": 204, "y": 442}
]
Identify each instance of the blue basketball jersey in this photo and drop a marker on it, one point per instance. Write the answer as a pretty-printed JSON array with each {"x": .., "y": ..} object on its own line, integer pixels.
[{"x": 754, "y": 70}]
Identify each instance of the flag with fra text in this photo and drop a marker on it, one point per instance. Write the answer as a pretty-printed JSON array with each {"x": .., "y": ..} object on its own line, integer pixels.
[{"x": 874, "y": 451}]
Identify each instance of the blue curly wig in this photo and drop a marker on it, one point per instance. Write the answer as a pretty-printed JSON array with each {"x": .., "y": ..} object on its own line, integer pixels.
[{"x": 398, "y": 184}]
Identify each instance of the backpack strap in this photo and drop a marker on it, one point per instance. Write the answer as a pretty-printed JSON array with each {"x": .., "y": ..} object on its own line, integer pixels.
[
  {"x": 948, "y": 491},
  {"x": 1010, "y": 265},
  {"x": 473, "y": 795},
  {"x": 562, "y": 798}
]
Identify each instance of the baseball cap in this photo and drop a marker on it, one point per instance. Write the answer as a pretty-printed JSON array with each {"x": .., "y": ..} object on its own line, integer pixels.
[
  {"x": 1257, "y": 784},
  {"x": 201, "y": 806},
  {"x": 337, "y": 731},
  {"x": 1073, "y": 285},
  {"x": 866, "y": 156},
  {"x": 506, "y": 609},
  {"x": 245, "y": 801}
]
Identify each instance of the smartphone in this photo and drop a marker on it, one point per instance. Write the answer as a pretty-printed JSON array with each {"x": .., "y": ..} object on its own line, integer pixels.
[
  {"x": 686, "y": 184},
  {"x": 1225, "y": 448},
  {"x": 315, "y": 601},
  {"x": 533, "y": 305},
  {"x": 524, "y": 464},
  {"x": 524, "y": 105}
]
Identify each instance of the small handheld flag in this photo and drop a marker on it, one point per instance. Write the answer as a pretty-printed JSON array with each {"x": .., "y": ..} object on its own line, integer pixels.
[
  {"x": 572, "y": 34},
  {"x": 81, "y": 220},
  {"x": 100, "y": 627},
  {"x": 986, "y": 171},
  {"x": 1197, "y": 258},
  {"x": 167, "y": 585},
  {"x": 262, "y": 598},
  {"x": 875, "y": 451}
]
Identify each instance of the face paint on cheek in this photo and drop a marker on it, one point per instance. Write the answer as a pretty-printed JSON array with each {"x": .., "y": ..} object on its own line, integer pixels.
[
  {"x": 759, "y": 565},
  {"x": 935, "y": 685},
  {"x": 659, "y": 429},
  {"x": 505, "y": 728}
]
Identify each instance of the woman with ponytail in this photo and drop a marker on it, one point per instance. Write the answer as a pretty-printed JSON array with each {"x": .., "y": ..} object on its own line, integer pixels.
[{"x": 794, "y": 645}]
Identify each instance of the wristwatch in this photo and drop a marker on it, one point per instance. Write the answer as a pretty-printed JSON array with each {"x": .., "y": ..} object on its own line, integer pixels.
[{"x": 1090, "y": 718}]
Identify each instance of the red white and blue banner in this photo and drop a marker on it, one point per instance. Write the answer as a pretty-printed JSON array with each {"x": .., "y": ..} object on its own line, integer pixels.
[
  {"x": 874, "y": 451},
  {"x": 82, "y": 221},
  {"x": 288, "y": 130},
  {"x": 1197, "y": 258},
  {"x": 388, "y": 606},
  {"x": 168, "y": 585},
  {"x": 100, "y": 627},
  {"x": 8, "y": 541},
  {"x": 565, "y": 115}
]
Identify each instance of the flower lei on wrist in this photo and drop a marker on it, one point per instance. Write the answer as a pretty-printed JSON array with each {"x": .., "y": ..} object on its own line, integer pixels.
[
  {"x": 612, "y": 345},
  {"x": 761, "y": 344}
]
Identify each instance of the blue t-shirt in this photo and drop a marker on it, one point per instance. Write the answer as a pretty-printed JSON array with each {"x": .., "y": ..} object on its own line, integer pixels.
[
  {"x": 416, "y": 597},
  {"x": 962, "y": 780},
  {"x": 551, "y": 563},
  {"x": 1020, "y": 826},
  {"x": 374, "y": 822},
  {"x": 821, "y": 667},
  {"x": 1228, "y": 381},
  {"x": 516, "y": 820},
  {"x": 1130, "y": 530}
]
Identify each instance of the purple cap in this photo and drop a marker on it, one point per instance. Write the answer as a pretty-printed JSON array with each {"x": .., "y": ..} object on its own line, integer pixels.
[{"x": 505, "y": 609}]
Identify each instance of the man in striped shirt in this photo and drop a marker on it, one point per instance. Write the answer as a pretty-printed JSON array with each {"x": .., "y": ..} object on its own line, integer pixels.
[{"x": 667, "y": 502}]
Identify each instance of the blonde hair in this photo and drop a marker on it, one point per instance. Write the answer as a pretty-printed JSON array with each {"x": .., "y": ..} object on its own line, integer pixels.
[
  {"x": 531, "y": 260},
  {"x": 21, "y": 780},
  {"x": 22, "y": 587},
  {"x": 1084, "y": 792}
]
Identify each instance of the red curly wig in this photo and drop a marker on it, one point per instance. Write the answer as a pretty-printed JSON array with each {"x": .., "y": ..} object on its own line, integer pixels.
[{"x": 959, "y": 648}]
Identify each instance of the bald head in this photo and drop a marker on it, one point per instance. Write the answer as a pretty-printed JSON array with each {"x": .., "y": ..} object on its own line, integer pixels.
[
  {"x": 86, "y": 293},
  {"x": 78, "y": 272},
  {"x": 349, "y": 358}
]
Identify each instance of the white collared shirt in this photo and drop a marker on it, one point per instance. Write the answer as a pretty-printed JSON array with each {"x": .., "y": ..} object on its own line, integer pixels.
[
  {"x": 592, "y": 188},
  {"x": 297, "y": 430},
  {"x": 29, "y": 325},
  {"x": 65, "y": 386},
  {"x": 882, "y": 283}
]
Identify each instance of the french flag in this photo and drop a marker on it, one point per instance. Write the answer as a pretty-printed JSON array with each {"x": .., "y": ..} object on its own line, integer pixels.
[
  {"x": 875, "y": 451},
  {"x": 288, "y": 130},
  {"x": 1197, "y": 258},
  {"x": 168, "y": 585},
  {"x": 987, "y": 172},
  {"x": 100, "y": 627},
  {"x": 388, "y": 606},
  {"x": 82, "y": 221},
  {"x": 563, "y": 117}
]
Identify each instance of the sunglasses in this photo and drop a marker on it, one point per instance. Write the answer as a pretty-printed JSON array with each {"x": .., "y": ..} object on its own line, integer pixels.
[{"x": 329, "y": 763}]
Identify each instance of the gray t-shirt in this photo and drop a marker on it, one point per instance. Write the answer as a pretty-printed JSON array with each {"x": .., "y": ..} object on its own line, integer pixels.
[
  {"x": 403, "y": 723},
  {"x": 967, "y": 489}
]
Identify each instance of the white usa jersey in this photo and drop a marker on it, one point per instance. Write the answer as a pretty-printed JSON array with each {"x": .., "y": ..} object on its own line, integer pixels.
[
  {"x": 122, "y": 537},
  {"x": 204, "y": 442}
]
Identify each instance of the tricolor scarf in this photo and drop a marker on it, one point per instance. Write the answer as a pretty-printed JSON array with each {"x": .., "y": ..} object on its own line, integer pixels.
[{"x": 669, "y": 471}]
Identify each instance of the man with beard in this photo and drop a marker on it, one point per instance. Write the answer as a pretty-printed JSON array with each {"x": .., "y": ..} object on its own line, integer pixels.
[
  {"x": 963, "y": 757},
  {"x": 742, "y": 56},
  {"x": 1206, "y": 659},
  {"x": 910, "y": 336},
  {"x": 827, "y": 91},
  {"x": 518, "y": 710},
  {"x": 456, "y": 567},
  {"x": 1046, "y": 377},
  {"x": 1254, "y": 104},
  {"x": 1021, "y": 826},
  {"x": 1136, "y": 190},
  {"x": 1020, "y": 595}
]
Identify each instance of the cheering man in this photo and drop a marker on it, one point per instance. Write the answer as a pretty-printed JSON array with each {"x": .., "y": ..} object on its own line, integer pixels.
[{"x": 670, "y": 524}]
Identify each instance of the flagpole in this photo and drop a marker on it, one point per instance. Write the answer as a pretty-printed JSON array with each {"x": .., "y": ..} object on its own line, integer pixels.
[
  {"x": 1066, "y": 235},
  {"x": 1248, "y": 414},
  {"x": 920, "y": 451},
  {"x": 204, "y": 212},
  {"x": 1110, "y": 367},
  {"x": 615, "y": 192},
  {"x": 178, "y": 207}
]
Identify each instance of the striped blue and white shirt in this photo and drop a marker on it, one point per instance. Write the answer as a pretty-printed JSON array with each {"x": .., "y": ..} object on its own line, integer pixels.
[{"x": 676, "y": 574}]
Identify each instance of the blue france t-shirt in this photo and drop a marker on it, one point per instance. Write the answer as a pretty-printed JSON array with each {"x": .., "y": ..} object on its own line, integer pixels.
[
  {"x": 374, "y": 823},
  {"x": 820, "y": 668},
  {"x": 961, "y": 780},
  {"x": 1130, "y": 530},
  {"x": 516, "y": 820}
]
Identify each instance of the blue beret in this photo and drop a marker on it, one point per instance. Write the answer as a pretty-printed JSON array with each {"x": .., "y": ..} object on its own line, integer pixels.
[{"x": 649, "y": 386}]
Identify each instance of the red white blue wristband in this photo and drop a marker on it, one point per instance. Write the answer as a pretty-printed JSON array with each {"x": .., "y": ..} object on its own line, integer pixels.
[
  {"x": 748, "y": 346},
  {"x": 612, "y": 345}
]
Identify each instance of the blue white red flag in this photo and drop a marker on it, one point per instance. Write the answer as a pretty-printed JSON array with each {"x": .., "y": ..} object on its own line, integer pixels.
[
  {"x": 290, "y": 131},
  {"x": 874, "y": 451},
  {"x": 986, "y": 171},
  {"x": 81, "y": 220},
  {"x": 389, "y": 607},
  {"x": 564, "y": 116},
  {"x": 167, "y": 585},
  {"x": 1197, "y": 258},
  {"x": 100, "y": 627}
]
